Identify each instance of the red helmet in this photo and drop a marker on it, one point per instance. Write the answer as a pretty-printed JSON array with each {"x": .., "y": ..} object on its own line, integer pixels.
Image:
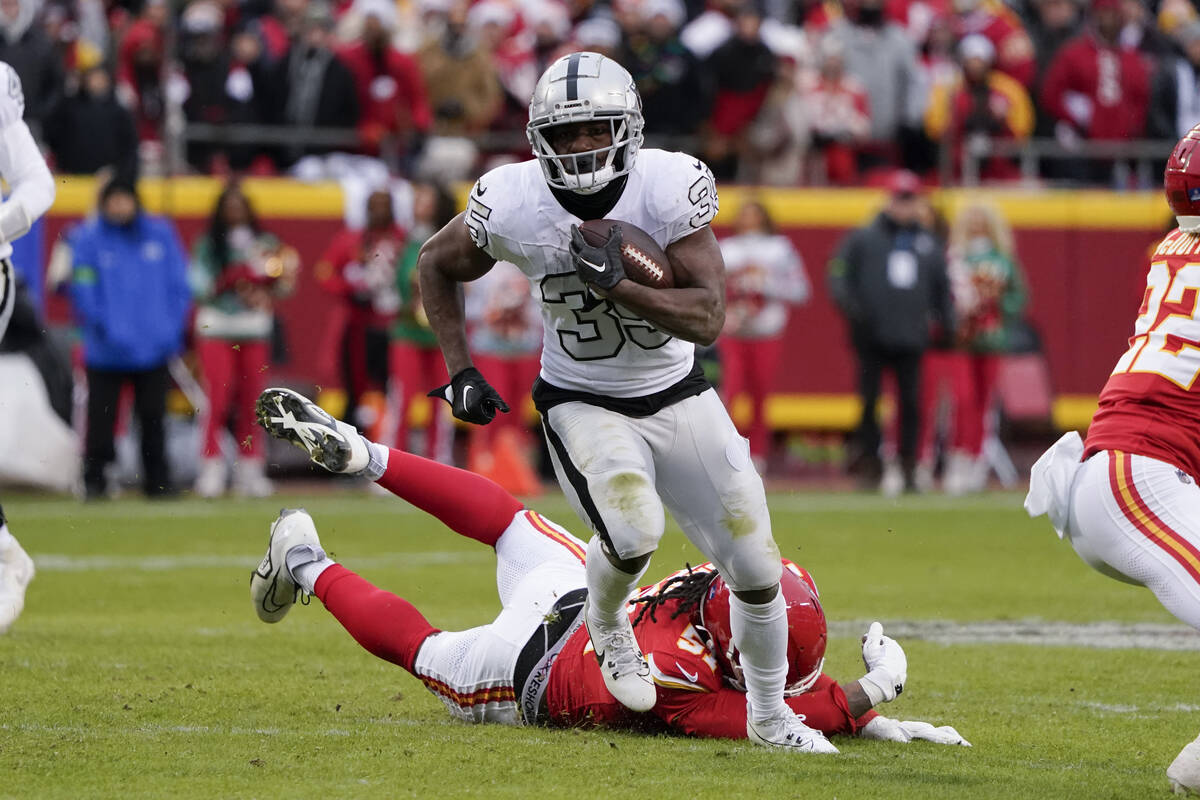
[
  {"x": 806, "y": 629},
  {"x": 1182, "y": 181}
]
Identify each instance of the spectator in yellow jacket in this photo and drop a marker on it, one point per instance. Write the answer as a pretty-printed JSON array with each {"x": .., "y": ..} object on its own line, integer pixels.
[{"x": 980, "y": 107}]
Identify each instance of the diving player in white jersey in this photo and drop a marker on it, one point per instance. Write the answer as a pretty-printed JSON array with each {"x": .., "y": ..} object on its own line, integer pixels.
[
  {"x": 626, "y": 410},
  {"x": 32, "y": 192}
]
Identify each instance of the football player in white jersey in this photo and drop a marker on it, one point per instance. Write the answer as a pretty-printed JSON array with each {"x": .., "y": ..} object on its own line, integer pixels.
[
  {"x": 32, "y": 192},
  {"x": 625, "y": 408}
]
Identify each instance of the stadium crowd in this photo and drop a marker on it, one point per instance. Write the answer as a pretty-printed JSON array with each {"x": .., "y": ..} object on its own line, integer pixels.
[{"x": 768, "y": 91}]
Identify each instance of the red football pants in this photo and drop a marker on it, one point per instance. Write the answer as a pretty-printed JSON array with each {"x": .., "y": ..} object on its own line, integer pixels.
[
  {"x": 749, "y": 366},
  {"x": 388, "y": 626},
  {"x": 234, "y": 374}
]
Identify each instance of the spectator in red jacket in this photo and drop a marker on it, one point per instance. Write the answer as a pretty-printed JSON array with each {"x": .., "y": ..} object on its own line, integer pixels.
[
  {"x": 359, "y": 267},
  {"x": 840, "y": 113},
  {"x": 1003, "y": 28},
  {"x": 743, "y": 69},
  {"x": 391, "y": 89},
  {"x": 1095, "y": 89},
  {"x": 140, "y": 69}
]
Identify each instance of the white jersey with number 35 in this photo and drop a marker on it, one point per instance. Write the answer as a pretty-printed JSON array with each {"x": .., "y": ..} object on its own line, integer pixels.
[{"x": 589, "y": 344}]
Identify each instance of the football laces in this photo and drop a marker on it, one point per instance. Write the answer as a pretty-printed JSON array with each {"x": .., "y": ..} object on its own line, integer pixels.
[{"x": 644, "y": 261}]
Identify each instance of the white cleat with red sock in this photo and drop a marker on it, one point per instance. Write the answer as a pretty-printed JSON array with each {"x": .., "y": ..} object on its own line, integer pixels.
[
  {"x": 335, "y": 445},
  {"x": 272, "y": 589}
]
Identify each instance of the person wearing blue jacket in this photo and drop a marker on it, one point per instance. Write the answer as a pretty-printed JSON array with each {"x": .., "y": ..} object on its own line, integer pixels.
[{"x": 131, "y": 300}]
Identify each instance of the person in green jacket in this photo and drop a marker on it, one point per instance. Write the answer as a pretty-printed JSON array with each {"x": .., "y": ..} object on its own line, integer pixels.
[
  {"x": 990, "y": 296},
  {"x": 415, "y": 363},
  {"x": 237, "y": 272}
]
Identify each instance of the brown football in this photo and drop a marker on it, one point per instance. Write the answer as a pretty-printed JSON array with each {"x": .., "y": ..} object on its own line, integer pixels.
[{"x": 644, "y": 261}]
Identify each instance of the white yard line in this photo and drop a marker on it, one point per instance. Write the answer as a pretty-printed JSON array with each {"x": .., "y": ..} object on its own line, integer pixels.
[{"x": 1045, "y": 633}]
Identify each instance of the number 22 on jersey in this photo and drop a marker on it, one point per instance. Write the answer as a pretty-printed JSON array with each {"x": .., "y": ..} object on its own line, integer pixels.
[{"x": 1166, "y": 337}]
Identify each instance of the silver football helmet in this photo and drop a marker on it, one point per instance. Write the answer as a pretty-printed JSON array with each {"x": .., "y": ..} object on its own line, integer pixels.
[{"x": 581, "y": 87}]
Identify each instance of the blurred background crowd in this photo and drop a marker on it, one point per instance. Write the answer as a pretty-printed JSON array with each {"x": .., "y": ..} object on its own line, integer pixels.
[
  {"x": 792, "y": 92},
  {"x": 403, "y": 102}
]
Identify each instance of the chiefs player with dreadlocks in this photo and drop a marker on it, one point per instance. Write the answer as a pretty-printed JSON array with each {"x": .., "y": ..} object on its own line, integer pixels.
[{"x": 533, "y": 664}]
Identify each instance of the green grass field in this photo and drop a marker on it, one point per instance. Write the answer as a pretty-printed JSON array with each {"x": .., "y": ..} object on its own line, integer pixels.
[{"x": 140, "y": 670}]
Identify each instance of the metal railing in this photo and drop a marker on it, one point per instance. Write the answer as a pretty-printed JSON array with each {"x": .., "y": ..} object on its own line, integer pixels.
[{"x": 1139, "y": 156}]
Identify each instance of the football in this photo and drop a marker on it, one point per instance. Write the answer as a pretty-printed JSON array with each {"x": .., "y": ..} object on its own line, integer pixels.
[{"x": 644, "y": 261}]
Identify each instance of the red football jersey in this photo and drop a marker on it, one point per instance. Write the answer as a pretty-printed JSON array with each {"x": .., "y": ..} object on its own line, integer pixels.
[
  {"x": 1151, "y": 403},
  {"x": 693, "y": 696}
]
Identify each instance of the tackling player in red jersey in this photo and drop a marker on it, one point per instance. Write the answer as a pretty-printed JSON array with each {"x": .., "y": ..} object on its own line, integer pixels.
[
  {"x": 1127, "y": 497},
  {"x": 533, "y": 664}
]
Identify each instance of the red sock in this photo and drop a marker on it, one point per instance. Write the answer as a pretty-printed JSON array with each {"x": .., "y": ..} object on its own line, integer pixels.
[
  {"x": 468, "y": 504},
  {"x": 387, "y": 626}
]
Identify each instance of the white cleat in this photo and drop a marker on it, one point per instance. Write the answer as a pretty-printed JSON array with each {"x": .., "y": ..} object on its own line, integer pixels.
[
  {"x": 335, "y": 445},
  {"x": 272, "y": 589},
  {"x": 788, "y": 732},
  {"x": 622, "y": 665},
  {"x": 210, "y": 478},
  {"x": 1184, "y": 772},
  {"x": 16, "y": 571}
]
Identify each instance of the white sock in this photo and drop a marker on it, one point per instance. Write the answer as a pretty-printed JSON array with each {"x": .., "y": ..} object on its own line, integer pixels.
[
  {"x": 608, "y": 587},
  {"x": 760, "y": 633},
  {"x": 377, "y": 465},
  {"x": 305, "y": 563}
]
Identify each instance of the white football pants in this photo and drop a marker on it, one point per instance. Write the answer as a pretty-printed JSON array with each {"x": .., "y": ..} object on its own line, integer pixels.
[
  {"x": 614, "y": 469},
  {"x": 471, "y": 671},
  {"x": 8, "y": 293},
  {"x": 1132, "y": 518}
]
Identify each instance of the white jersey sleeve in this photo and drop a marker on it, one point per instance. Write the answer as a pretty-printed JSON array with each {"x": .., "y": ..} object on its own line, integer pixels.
[
  {"x": 21, "y": 166},
  {"x": 492, "y": 216},
  {"x": 682, "y": 196},
  {"x": 12, "y": 98}
]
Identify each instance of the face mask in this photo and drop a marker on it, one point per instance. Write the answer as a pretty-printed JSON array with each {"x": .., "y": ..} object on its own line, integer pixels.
[
  {"x": 241, "y": 237},
  {"x": 979, "y": 245}
]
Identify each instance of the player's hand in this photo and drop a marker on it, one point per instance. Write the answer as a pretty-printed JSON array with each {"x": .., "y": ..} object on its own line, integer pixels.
[
  {"x": 471, "y": 398},
  {"x": 887, "y": 666},
  {"x": 601, "y": 264},
  {"x": 884, "y": 729}
]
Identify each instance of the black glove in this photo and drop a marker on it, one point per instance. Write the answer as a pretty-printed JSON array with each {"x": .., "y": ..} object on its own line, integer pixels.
[
  {"x": 599, "y": 265},
  {"x": 471, "y": 398}
]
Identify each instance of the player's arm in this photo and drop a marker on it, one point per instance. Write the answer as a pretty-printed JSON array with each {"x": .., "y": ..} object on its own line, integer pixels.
[
  {"x": 695, "y": 309},
  {"x": 722, "y": 714},
  {"x": 450, "y": 258},
  {"x": 447, "y": 259},
  {"x": 24, "y": 169}
]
